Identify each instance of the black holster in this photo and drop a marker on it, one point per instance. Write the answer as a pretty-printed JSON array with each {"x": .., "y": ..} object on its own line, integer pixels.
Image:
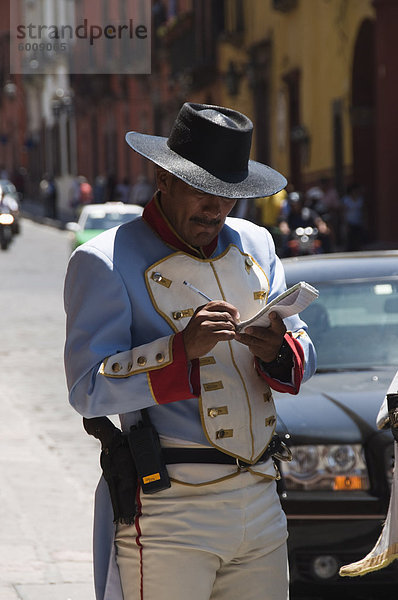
[{"x": 117, "y": 466}]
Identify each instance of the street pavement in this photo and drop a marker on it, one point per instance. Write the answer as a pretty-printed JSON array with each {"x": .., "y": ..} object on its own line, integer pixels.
[{"x": 48, "y": 465}]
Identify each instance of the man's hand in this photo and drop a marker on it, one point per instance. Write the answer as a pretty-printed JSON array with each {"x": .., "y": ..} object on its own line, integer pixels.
[
  {"x": 212, "y": 323},
  {"x": 264, "y": 342}
]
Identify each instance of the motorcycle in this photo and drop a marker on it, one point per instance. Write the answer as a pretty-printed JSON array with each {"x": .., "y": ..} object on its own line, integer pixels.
[
  {"x": 6, "y": 224},
  {"x": 304, "y": 241}
]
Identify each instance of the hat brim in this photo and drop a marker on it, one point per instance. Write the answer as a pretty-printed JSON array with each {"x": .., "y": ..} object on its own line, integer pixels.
[{"x": 259, "y": 180}]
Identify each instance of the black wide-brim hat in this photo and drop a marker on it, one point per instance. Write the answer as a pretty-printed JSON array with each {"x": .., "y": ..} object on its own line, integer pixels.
[{"x": 209, "y": 148}]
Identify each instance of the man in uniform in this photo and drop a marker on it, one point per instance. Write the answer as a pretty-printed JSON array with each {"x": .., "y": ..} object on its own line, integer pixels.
[{"x": 152, "y": 309}]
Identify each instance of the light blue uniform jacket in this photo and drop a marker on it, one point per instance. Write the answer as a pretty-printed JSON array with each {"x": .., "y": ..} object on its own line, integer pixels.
[{"x": 109, "y": 310}]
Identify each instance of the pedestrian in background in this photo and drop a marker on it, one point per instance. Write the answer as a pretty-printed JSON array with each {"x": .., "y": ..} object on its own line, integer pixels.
[
  {"x": 111, "y": 182},
  {"x": 99, "y": 189},
  {"x": 353, "y": 204},
  {"x": 49, "y": 196},
  {"x": 270, "y": 211},
  {"x": 141, "y": 192},
  {"x": 333, "y": 209},
  {"x": 80, "y": 194},
  {"x": 122, "y": 191}
]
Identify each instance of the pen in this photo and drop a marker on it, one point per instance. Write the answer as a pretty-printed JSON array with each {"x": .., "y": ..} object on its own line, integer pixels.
[{"x": 197, "y": 291}]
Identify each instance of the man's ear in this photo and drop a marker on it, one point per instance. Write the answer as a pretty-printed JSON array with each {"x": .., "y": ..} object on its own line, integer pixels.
[{"x": 163, "y": 180}]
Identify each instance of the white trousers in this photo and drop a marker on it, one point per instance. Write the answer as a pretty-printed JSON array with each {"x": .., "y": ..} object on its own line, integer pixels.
[{"x": 224, "y": 541}]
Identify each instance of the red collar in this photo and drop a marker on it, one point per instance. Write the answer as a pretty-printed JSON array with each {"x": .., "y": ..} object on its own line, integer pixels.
[{"x": 157, "y": 220}]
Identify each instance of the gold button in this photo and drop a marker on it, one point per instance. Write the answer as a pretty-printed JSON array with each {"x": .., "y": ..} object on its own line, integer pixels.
[
  {"x": 159, "y": 357},
  {"x": 267, "y": 396},
  {"x": 213, "y": 412},
  {"x": 141, "y": 360},
  {"x": 249, "y": 261},
  {"x": 224, "y": 433},
  {"x": 178, "y": 314},
  {"x": 259, "y": 295},
  {"x": 213, "y": 386},
  {"x": 157, "y": 277},
  {"x": 116, "y": 367}
]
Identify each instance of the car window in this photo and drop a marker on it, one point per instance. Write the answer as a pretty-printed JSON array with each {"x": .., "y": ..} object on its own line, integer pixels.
[
  {"x": 355, "y": 324},
  {"x": 107, "y": 220}
]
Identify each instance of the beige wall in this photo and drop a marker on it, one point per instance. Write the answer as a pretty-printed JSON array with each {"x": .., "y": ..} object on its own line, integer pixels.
[{"x": 318, "y": 38}]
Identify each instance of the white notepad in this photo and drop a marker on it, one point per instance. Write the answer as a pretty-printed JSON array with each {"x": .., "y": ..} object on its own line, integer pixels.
[{"x": 290, "y": 302}]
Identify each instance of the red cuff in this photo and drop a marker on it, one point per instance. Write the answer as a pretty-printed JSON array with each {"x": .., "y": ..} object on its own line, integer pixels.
[
  {"x": 298, "y": 369},
  {"x": 178, "y": 381}
]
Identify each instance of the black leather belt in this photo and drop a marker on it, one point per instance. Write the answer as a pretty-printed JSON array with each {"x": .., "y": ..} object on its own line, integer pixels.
[{"x": 214, "y": 456}]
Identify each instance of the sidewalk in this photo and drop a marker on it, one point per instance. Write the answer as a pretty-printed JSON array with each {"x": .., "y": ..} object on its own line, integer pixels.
[
  {"x": 40, "y": 555},
  {"x": 49, "y": 467}
]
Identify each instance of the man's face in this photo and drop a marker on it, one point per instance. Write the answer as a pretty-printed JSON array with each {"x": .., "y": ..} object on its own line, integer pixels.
[{"x": 197, "y": 217}]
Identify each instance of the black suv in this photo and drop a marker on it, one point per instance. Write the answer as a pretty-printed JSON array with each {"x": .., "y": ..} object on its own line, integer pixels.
[{"x": 336, "y": 489}]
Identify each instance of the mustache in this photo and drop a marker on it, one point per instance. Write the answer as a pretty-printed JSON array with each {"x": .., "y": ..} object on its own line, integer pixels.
[{"x": 204, "y": 221}]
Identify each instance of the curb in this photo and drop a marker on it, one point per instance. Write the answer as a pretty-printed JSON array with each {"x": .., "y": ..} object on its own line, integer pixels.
[{"x": 32, "y": 216}]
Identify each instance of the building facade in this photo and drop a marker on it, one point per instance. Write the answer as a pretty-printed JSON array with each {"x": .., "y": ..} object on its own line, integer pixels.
[{"x": 317, "y": 77}]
